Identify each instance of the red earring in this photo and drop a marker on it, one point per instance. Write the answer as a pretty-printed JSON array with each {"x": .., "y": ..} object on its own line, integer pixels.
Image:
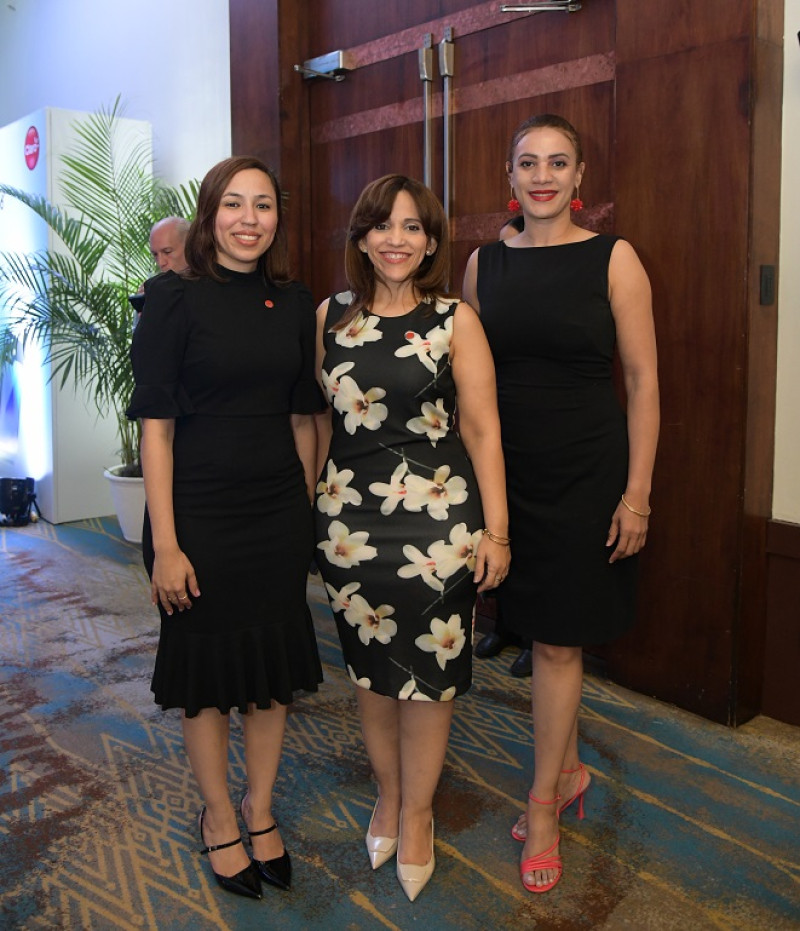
[
  {"x": 576, "y": 203},
  {"x": 513, "y": 205}
]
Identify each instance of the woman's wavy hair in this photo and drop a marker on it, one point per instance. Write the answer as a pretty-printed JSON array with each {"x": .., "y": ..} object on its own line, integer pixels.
[
  {"x": 201, "y": 243},
  {"x": 374, "y": 206},
  {"x": 546, "y": 121}
]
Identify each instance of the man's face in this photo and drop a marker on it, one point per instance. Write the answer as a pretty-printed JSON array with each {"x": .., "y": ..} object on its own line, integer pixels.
[{"x": 166, "y": 247}]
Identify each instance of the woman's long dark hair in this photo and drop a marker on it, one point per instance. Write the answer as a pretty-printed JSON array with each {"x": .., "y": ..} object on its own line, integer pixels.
[
  {"x": 201, "y": 243},
  {"x": 374, "y": 206}
]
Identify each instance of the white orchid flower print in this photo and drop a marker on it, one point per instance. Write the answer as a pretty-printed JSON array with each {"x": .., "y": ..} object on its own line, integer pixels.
[
  {"x": 429, "y": 349},
  {"x": 419, "y": 347},
  {"x": 360, "y": 330},
  {"x": 436, "y": 495},
  {"x": 447, "y": 695},
  {"x": 334, "y": 492},
  {"x": 345, "y": 549},
  {"x": 410, "y": 690},
  {"x": 420, "y": 565},
  {"x": 363, "y": 682},
  {"x": 446, "y": 640},
  {"x": 393, "y": 492},
  {"x": 459, "y": 552},
  {"x": 341, "y": 599},
  {"x": 359, "y": 408},
  {"x": 330, "y": 383},
  {"x": 371, "y": 622},
  {"x": 432, "y": 422},
  {"x": 439, "y": 338}
]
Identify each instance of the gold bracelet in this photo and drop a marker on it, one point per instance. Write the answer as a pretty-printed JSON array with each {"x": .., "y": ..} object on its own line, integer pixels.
[
  {"x": 496, "y": 538},
  {"x": 646, "y": 513}
]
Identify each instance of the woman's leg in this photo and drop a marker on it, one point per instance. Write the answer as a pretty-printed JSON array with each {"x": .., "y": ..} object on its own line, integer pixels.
[
  {"x": 380, "y": 726},
  {"x": 570, "y": 781},
  {"x": 424, "y": 730},
  {"x": 555, "y": 698},
  {"x": 263, "y": 741},
  {"x": 206, "y": 739}
]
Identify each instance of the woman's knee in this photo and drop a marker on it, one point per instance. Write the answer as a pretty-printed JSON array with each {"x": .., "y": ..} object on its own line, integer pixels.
[{"x": 556, "y": 655}]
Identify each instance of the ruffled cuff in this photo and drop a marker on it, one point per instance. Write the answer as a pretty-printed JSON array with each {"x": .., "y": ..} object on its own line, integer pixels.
[
  {"x": 307, "y": 398},
  {"x": 160, "y": 402}
]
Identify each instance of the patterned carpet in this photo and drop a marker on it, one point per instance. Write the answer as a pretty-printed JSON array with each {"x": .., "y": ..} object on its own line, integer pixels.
[{"x": 689, "y": 825}]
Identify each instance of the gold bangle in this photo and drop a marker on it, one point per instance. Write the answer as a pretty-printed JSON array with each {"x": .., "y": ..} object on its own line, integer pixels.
[
  {"x": 646, "y": 513},
  {"x": 496, "y": 538}
]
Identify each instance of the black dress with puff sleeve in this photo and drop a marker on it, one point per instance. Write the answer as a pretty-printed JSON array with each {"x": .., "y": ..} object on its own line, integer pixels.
[{"x": 230, "y": 362}]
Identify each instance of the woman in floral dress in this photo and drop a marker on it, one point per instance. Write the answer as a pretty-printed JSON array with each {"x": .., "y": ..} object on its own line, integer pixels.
[{"x": 411, "y": 517}]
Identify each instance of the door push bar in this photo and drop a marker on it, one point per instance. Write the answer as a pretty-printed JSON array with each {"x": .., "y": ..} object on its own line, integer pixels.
[
  {"x": 554, "y": 6},
  {"x": 446, "y": 66},
  {"x": 426, "y": 76}
]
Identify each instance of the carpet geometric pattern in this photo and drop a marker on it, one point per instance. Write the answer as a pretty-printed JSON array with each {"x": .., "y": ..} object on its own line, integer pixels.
[{"x": 689, "y": 825}]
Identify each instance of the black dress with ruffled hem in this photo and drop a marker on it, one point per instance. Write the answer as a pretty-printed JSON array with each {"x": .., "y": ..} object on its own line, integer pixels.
[{"x": 230, "y": 362}]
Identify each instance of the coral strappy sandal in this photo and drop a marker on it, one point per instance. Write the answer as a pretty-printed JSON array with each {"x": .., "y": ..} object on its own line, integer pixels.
[
  {"x": 546, "y": 860},
  {"x": 583, "y": 785}
]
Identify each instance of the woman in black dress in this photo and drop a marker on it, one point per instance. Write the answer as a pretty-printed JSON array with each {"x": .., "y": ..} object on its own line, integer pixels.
[
  {"x": 555, "y": 300},
  {"x": 224, "y": 364},
  {"x": 403, "y": 501}
]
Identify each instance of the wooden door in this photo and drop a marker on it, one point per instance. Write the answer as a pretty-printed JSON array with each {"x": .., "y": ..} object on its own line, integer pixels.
[
  {"x": 678, "y": 115},
  {"x": 506, "y": 67}
]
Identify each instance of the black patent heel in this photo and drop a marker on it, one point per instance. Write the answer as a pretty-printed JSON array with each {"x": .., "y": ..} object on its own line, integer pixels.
[
  {"x": 278, "y": 871},
  {"x": 246, "y": 882}
]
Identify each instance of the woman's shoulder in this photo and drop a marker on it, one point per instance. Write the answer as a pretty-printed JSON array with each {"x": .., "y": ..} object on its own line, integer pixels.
[
  {"x": 299, "y": 291},
  {"x": 445, "y": 305},
  {"x": 164, "y": 283},
  {"x": 295, "y": 286},
  {"x": 342, "y": 298},
  {"x": 490, "y": 248},
  {"x": 335, "y": 306},
  {"x": 490, "y": 253}
]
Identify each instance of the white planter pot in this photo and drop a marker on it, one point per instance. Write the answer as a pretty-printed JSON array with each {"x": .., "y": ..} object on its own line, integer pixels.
[{"x": 128, "y": 497}]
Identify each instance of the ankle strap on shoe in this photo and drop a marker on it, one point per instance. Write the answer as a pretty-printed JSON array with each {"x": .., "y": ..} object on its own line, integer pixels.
[
  {"x": 265, "y": 831},
  {"x": 540, "y": 801},
  {"x": 231, "y": 843}
]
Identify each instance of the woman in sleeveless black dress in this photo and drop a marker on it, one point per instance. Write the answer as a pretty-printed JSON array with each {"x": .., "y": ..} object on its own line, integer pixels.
[
  {"x": 226, "y": 389},
  {"x": 555, "y": 300},
  {"x": 402, "y": 501}
]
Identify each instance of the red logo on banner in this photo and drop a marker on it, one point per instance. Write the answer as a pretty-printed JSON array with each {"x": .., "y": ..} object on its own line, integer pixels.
[{"x": 31, "y": 148}]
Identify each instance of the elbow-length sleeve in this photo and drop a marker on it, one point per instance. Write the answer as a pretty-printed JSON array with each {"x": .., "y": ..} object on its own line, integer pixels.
[
  {"x": 157, "y": 352},
  {"x": 307, "y": 396}
]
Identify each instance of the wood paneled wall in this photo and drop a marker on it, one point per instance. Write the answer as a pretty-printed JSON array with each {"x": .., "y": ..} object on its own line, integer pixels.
[
  {"x": 680, "y": 111},
  {"x": 782, "y": 649},
  {"x": 698, "y": 108}
]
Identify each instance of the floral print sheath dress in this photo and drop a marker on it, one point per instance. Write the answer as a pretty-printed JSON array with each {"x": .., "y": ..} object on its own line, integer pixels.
[{"x": 398, "y": 516}]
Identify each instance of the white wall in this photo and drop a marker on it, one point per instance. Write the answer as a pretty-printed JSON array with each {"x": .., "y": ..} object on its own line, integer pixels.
[
  {"x": 169, "y": 59},
  {"x": 786, "y": 495}
]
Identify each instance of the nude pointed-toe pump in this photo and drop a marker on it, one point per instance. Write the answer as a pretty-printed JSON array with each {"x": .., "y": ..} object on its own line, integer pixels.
[
  {"x": 380, "y": 849},
  {"x": 414, "y": 878}
]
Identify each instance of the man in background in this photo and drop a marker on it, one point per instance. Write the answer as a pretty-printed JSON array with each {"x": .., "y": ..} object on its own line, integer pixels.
[{"x": 167, "y": 238}]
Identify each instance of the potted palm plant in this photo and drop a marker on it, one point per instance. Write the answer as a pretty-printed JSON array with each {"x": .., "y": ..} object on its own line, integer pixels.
[{"x": 73, "y": 299}]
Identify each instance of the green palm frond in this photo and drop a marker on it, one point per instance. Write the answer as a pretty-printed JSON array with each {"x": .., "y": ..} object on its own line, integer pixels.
[
  {"x": 76, "y": 237},
  {"x": 73, "y": 299}
]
